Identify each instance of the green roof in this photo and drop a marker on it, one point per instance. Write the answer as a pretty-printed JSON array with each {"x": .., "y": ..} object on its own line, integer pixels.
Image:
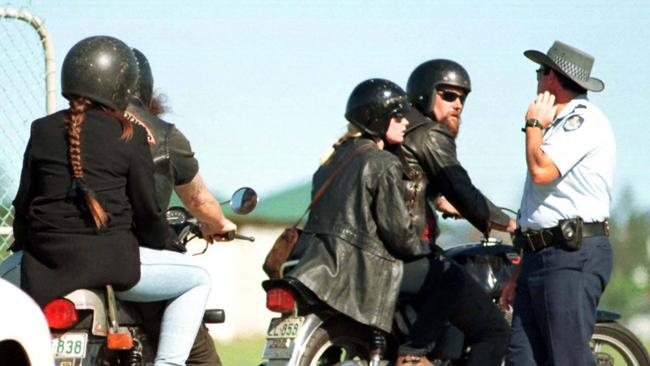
[{"x": 284, "y": 207}]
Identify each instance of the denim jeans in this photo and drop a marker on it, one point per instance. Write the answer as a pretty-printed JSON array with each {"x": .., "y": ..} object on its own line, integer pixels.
[{"x": 172, "y": 276}]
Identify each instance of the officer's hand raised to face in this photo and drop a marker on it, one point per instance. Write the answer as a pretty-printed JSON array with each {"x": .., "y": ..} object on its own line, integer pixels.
[{"x": 543, "y": 109}]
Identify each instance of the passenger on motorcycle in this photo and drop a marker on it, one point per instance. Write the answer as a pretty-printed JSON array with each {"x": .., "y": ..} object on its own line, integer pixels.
[
  {"x": 85, "y": 213},
  {"x": 358, "y": 237},
  {"x": 176, "y": 170}
]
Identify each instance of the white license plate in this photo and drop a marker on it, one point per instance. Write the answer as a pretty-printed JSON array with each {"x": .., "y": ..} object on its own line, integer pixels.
[
  {"x": 285, "y": 327},
  {"x": 70, "y": 345}
]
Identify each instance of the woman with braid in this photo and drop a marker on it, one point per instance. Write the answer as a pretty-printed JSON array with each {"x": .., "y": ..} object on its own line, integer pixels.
[{"x": 85, "y": 213}]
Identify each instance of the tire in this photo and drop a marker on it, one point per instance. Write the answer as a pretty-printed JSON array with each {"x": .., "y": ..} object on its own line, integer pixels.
[
  {"x": 336, "y": 341},
  {"x": 612, "y": 344},
  {"x": 13, "y": 353}
]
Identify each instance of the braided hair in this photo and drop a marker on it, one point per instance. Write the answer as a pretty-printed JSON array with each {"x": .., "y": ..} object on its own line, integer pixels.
[{"x": 75, "y": 118}]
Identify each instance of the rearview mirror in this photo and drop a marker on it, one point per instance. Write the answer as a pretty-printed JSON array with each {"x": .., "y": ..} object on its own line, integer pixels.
[{"x": 243, "y": 201}]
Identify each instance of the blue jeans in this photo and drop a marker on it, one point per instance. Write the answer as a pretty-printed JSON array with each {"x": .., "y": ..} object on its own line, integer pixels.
[
  {"x": 555, "y": 304},
  {"x": 172, "y": 276}
]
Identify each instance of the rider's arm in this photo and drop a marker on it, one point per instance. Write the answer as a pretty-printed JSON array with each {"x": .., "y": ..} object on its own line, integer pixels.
[
  {"x": 201, "y": 203},
  {"x": 191, "y": 189},
  {"x": 438, "y": 159},
  {"x": 446, "y": 208}
]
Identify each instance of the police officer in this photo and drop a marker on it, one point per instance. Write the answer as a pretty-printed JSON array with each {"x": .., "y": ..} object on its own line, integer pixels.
[
  {"x": 563, "y": 230},
  {"x": 176, "y": 169},
  {"x": 437, "y": 90}
]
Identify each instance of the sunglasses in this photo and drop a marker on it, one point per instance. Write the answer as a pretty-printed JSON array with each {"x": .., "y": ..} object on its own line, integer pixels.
[
  {"x": 542, "y": 70},
  {"x": 449, "y": 96}
]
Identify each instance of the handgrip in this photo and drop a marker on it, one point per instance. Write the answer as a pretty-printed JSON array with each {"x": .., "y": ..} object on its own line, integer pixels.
[
  {"x": 230, "y": 235},
  {"x": 244, "y": 237}
]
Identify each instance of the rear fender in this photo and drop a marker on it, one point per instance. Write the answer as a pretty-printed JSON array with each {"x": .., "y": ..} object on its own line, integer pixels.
[
  {"x": 606, "y": 316},
  {"x": 95, "y": 301}
]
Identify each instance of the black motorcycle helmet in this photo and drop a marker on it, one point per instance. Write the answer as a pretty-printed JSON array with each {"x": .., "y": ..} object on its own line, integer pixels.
[
  {"x": 144, "y": 85},
  {"x": 422, "y": 84},
  {"x": 373, "y": 103},
  {"x": 102, "y": 69}
]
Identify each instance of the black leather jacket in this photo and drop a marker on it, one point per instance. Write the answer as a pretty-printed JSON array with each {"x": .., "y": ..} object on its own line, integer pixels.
[
  {"x": 174, "y": 162},
  {"x": 356, "y": 234},
  {"x": 429, "y": 149}
]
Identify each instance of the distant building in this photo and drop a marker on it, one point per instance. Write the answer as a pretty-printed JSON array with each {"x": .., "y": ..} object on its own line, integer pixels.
[{"x": 236, "y": 267}]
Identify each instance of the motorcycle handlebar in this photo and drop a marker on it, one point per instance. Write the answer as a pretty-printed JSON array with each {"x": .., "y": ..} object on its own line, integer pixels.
[
  {"x": 230, "y": 235},
  {"x": 244, "y": 237}
]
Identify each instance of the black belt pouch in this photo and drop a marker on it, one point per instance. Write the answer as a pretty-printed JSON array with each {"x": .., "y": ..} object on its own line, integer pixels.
[{"x": 572, "y": 233}]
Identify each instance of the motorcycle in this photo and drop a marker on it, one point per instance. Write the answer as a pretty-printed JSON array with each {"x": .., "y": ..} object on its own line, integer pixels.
[
  {"x": 89, "y": 327},
  {"x": 309, "y": 333}
]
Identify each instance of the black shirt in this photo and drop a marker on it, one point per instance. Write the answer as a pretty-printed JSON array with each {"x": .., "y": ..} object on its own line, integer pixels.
[
  {"x": 63, "y": 249},
  {"x": 173, "y": 157}
]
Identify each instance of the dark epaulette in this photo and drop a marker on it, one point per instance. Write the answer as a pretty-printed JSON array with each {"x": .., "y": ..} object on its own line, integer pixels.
[{"x": 579, "y": 106}]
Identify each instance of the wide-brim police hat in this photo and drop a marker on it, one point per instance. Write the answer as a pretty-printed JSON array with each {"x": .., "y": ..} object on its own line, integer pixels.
[{"x": 570, "y": 62}]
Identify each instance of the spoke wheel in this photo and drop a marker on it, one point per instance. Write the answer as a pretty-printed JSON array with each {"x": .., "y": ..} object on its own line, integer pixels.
[
  {"x": 614, "y": 345},
  {"x": 336, "y": 342}
]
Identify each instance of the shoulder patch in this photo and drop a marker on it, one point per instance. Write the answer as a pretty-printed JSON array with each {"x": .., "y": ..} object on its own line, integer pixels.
[
  {"x": 151, "y": 139},
  {"x": 573, "y": 123}
]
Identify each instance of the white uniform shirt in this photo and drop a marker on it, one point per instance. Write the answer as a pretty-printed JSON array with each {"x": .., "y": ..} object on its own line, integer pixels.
[{"x": 581, "y": 143}]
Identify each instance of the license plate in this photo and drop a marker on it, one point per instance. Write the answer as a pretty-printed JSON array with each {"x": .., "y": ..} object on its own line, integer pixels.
[
  {"x": 70, "y": 345},
  {"x": 285, "y": 327}
]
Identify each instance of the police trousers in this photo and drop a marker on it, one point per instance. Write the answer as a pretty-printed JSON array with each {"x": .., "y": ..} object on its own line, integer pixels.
[{"x": 555, "y": 304}]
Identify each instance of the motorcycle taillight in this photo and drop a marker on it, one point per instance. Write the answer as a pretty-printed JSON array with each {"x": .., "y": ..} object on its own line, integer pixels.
[
  {"x": 60, "y": 314},
  {"x": 514, "y": 258},
  {"x": 280, "y": 300}
]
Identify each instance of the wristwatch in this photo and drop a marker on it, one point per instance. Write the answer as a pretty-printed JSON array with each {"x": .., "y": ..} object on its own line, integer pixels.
[{"x": 533, "y": 122}]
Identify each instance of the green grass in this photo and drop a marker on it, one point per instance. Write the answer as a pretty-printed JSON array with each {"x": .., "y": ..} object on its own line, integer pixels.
[{"x": 241, "y": 352}]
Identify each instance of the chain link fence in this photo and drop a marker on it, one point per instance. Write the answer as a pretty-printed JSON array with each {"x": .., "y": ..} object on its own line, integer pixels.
[{"x": 27, "y": 91}]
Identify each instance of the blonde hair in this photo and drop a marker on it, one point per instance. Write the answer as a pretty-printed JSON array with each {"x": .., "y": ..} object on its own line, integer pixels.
[{"x": 353, "y": 132}]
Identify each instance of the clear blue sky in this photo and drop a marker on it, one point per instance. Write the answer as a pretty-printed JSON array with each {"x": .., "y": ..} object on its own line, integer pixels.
[{"x": 260, "y": 87}]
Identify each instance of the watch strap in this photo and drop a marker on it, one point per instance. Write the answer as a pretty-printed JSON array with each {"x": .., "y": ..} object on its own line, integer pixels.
[{"x": 532, "y": 122}]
